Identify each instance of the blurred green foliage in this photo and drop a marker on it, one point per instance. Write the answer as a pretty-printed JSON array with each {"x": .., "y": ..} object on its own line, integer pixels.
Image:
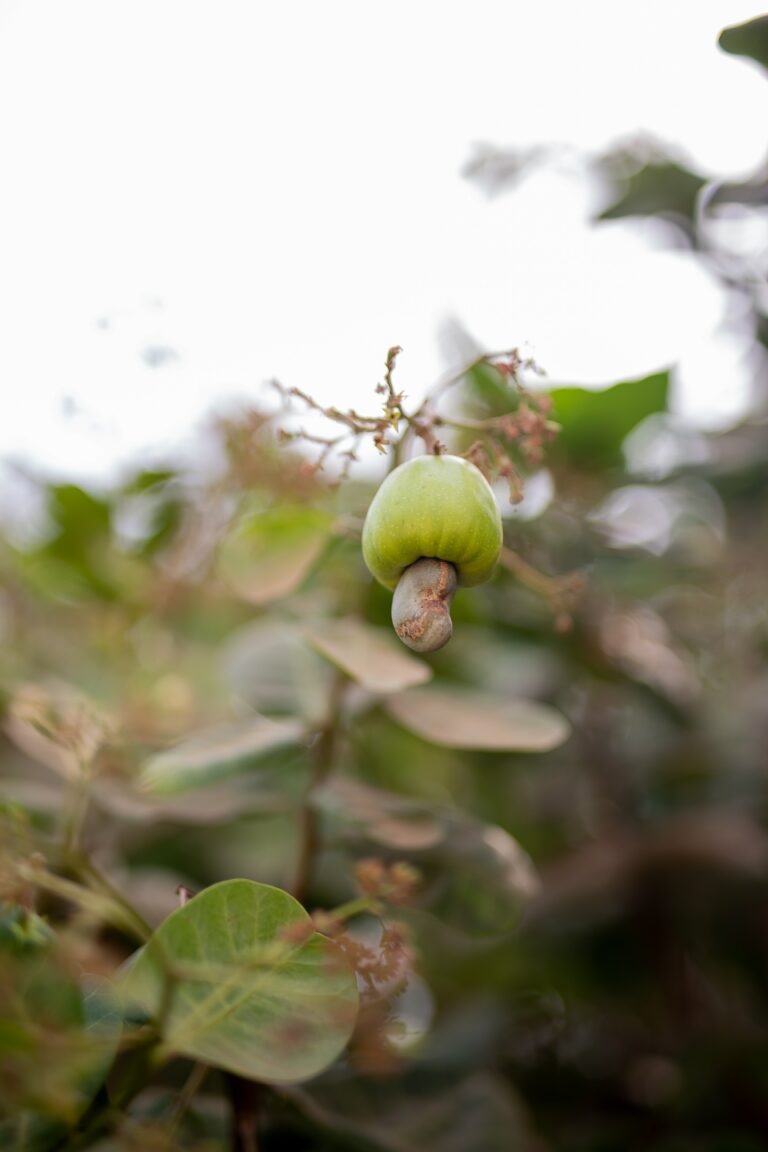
[{"x": 559, "y": 847}]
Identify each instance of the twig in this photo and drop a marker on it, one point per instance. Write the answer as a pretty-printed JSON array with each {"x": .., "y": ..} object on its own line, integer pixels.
[
  {"x": 507, "y": 362},
  {"x": 76, "y": 811},
  {"x": 245, "y": 1096},
  {"x": 322, "y": 764},
  {"x": 562, "y": 592},
  {"x": 189, "y": 1091},
  {"x": 84, "y": 867},
  {"x": 106, "y": 904}
]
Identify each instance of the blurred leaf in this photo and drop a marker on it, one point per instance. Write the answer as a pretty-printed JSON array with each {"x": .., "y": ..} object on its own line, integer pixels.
[
  {"x": 149, "y": 512},
  {"x": 236, "y": 977},
  {"x": 456, "y": 718},
  {"x": 658, "y": 189},
  {"x": 489, "y": 659},
  {"x": 83, "y": 536},
  {"x": 475, "y": 877},
  {"x": 80, "y": 516},
  {"x": 275, "y": 785},
  {"x": 23, "y": 931},
  {"x": 36, "y": 1132},
  {"x": 270, "y": 669},
  {"x": 593, "y": 425},
  {"x": 479, "y": 881},
  {"x": 502, "y": 169},
  {"x": 218, "y": 753},
  {"x": 150, "y": 478},
  {"x": 270, "y": 553},
  {"x": 386, "y": 818},
  {"x": 485, "y": 384},
  {"x": 56, "y": 1042},
  {"x": 368, "y": 655},
  {"x": 749, "y": 39},
  {"x": 58, "y": 726},
  {"x": 411, "y": 1113}
]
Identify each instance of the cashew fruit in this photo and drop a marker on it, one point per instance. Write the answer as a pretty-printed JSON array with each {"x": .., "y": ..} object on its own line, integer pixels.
[{"x": 438, "y": 509}]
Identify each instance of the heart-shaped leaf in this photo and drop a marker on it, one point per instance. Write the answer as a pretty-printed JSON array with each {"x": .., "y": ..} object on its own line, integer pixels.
[
  {"x": 218, "y": 753},
  {"x": 238, "y": 978},
  {"x": 368, "y": 655},
  {"x": 454, "y": 718}
]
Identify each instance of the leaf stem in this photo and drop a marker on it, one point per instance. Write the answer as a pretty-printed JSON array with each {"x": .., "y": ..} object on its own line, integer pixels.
[{"x": 356, "y": 907}]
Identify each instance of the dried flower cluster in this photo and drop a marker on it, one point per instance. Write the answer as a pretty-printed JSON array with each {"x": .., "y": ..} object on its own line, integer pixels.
[{"x": 520, "y": 434}]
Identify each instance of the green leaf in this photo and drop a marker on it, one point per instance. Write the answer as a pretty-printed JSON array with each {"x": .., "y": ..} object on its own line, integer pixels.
[
  {"x": 370, "y": 656},
  {"x": 80, "y": 516},
  {"x": 236, "y": 977},
  {"x": 57, "y": 1040},
  {"x": 460, "y": 718},
  {"x": 144, "y": 481},
  {"x": 486, "y": 384},
  {"x": 219, "y": 753},
  {"x": 594, "y": 424},
  {"x": 270, "y": 553},
  {"x": 83, "y": 539},
  {"x": 662, "y": 188},
  {"x": 749, "y": 39},
  {"x": 37, "y": 1132},
  {"x": 23, "y": 932},
  {"x": 149, "y": 512}
]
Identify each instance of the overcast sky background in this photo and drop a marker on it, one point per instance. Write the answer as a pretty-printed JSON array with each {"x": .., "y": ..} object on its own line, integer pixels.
[{"x": 277, "y": 190}]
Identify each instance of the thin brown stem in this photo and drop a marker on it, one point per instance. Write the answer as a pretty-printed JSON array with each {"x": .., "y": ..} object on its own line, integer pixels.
[
  {"x": 104, "y": 903},
  {"x": 87, "y": 871},
  {"x": 245, "y": 1096},
  {"x": 561, "y": 591},
  {"x": 189, "y": 1091},
  {"x": 323, "y": 757},
  {"x": 456, "y": 377},
  {"x": 76, "y": 810}
]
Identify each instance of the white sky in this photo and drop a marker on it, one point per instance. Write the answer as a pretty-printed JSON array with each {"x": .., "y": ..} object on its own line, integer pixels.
[{"x": 276, "y": 190}]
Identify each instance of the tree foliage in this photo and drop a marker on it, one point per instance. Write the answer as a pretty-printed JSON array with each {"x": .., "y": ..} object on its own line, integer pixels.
[{"x": 267, "y": 877}]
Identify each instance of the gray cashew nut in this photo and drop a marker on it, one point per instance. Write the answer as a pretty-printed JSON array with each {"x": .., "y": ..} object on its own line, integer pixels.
[{"x": 421, "y": 605}]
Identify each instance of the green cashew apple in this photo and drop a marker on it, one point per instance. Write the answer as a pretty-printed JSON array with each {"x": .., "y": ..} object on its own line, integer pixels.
[{"x": 433, "y": 525}]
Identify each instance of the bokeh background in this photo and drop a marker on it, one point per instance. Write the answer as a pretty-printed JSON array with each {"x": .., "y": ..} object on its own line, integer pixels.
[{"x": 198, "y": 200}]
